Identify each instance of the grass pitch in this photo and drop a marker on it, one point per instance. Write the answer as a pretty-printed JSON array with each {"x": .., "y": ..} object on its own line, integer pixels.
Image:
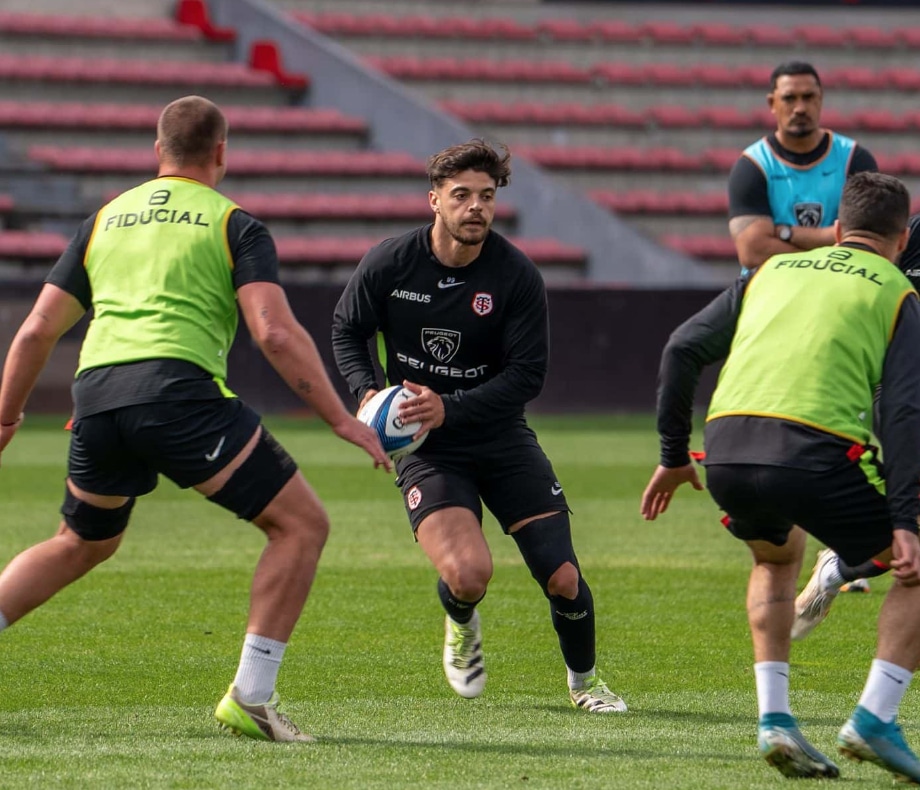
[{"x": 113, "y": 683}]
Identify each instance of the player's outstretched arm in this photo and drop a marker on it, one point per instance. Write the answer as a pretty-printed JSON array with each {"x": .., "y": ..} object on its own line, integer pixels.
[
  {"x": 291, "y": 351},
  {"x": 660, "y": 489},
  {"x": 54, "y": 312}
]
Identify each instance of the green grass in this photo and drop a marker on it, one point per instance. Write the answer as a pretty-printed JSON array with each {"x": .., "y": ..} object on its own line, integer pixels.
[{"x": 113, "y": 683}]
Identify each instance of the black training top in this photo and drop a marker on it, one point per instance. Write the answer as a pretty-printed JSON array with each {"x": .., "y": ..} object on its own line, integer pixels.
[
  {"x": 101, "y": 389},
  {"x": 909, "y": 262},
  {"x": 747, "y": 184},
  {"x": 477, "y": 334}
]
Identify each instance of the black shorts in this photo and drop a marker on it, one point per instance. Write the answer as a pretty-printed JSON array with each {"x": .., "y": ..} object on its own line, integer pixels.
[
  {"x": 511, "y": 475},
  {"x": 120, "y": 452},
  {"x": 845, "y": 507}
]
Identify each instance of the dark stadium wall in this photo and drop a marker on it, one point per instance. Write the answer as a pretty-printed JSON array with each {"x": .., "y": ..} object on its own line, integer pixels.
[
  {"x": 605, "y": 347},
  {"x": 604, "y": 352}
]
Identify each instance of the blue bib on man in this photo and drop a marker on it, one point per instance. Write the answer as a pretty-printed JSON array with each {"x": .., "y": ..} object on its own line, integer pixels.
[{"x": 806, "y": 195}]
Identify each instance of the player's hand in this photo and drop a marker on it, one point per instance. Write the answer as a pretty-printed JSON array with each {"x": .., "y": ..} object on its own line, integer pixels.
[
  {"x": 660, "y": 489},
  {"x": 367, "y": 396},
  {"x": 426, "y": 407},
  {"x": 905, "y": 564},
  {"x": 354, "y": 431},
  {"x": 7, "y": 432}
]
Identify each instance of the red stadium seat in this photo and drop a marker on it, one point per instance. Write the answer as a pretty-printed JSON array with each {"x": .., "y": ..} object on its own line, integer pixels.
[
  {"x": 146, "y": 29},
  {"x": 880, "y": 120},
  {"x": 728, "y": 118},
  {"x": 264, "y": 56},
  {"x": 902, "y": 78},
  {"x": 619, "y": 73},
  {"x": 909, "y": 37},
  {"x": 195, "y": 13},
  {"x": 854, "y": 77}
]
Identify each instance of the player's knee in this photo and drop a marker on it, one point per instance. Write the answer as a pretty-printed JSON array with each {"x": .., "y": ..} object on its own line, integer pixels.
[
  {"x": 466, "y": 582},
  {"x": 546, "y": 547},
  {"x": 564, "y": 582},
  {"x": 95, "y": 525}
]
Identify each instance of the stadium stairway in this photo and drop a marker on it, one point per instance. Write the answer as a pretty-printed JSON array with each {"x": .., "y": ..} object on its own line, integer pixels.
[{"x": 643, "y": 106}]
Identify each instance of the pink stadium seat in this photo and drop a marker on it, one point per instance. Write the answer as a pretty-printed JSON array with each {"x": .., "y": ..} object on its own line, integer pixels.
[
  {"x": 565, "y": 30},
  {"x": 754, "y": 76},
  {"x": 667, "y": 32},
  {"x": 615, "y": 31},
  {"x": 769, "y": 35},
  {"x": 855, "y": 77},
  {"x": 245, "y": 162},
  {"x": 909, "y": 36},
  {"x": 668, "y": 74},
  {"x": 71, "y": 115},
  {"x": 673, "y": 116},
  {"x": 880, "y": 120},
  {"x": 619, "y": 73},
  {"x": 812, "y": 35},
  {"x": 867, "y": 37},
  {"x": 720, "y": 34},
  {"x": 111, "y": 70},
  {"x": 902, "y": 78},
  {"x": 712, "y": 247},
  {"x": 6, "y": 204},
  {"x": 714, "y": 75},
  {"x": 29, "y": 245},
  {"x": 728, "y": 118},
  {"x": 96, "y": 27}
]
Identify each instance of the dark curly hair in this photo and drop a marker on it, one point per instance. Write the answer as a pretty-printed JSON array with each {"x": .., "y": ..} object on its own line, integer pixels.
[{"x": 476, "y": 155}]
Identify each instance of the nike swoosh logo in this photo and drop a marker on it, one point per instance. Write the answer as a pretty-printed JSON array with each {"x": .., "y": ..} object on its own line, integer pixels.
[
  {"x": 442, "y": 285},
  {"x": 213, "y": 455},
  {"x": 556, "y": 490},
  {"x": 262, "y": 650},
  {"x": 887, "y": 675}
]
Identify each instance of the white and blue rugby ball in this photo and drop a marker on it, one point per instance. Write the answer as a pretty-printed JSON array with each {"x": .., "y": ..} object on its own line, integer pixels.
[{"x": 382, "y": 414}]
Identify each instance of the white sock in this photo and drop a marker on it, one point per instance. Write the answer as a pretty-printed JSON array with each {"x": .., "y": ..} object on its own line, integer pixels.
[
  {"x": 258, "y": 669},
  {"x": 3, "y": 622},
  {"x": 577, "y": 679},
  {"x": 884, "y": 689},
  {"x": 772, "y": 679}
]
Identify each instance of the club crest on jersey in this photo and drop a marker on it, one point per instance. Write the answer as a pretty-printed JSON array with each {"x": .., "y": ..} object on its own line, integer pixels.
[
  {"x": 482, "y": 304},
  {"x": 809, "y": 215},
  {"x": 413, "y": 497},
  {"x": 442, "y": 344}
]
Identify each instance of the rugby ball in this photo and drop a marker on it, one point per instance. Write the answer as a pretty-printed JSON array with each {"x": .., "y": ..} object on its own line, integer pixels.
[{"x": 382, "y": 414}]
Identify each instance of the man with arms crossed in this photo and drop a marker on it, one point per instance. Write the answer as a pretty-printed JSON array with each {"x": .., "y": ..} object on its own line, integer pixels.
[
  {"x": 163, "y": 267},
  {"x": 463, "y": 315},
  {"x": 787, "y": 442}
]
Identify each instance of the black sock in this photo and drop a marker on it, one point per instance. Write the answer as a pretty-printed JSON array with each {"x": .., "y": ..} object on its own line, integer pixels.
[
  {"x": 459, "y": 611},
  {"x": 574, "y": 624},
  {"x": 865, "y": 570}
]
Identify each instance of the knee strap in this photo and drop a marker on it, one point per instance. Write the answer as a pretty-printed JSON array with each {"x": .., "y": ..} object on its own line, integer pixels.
[
  {"x": 258, "y": 479},
  {"x": 546, "y": 545},
  {"x": 95, "y": 523}
]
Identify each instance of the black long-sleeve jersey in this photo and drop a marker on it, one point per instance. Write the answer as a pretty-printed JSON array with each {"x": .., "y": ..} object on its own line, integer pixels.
[
  {"x": 909, "y": 262},
  {"x": 478, "y": 335},
  {"x": 706, "y": 338}
]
